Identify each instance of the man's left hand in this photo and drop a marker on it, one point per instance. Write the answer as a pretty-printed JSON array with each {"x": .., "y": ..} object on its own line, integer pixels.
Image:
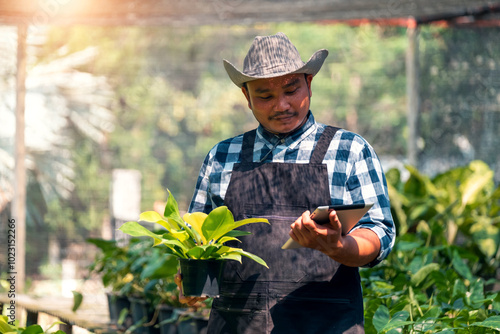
[
  {"x": 355, "y": 249},
  {"x": 310, "y": 234}
]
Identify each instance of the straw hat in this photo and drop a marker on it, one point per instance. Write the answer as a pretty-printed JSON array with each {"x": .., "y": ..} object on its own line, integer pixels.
[{"x": 273, "y": 56}]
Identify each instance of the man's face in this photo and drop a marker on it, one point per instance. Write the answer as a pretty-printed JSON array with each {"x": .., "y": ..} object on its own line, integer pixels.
[{"x": 280, "y": 104}]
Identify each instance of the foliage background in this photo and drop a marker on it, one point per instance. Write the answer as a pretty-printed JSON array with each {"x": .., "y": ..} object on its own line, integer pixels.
[{"x": 164, "y": 100}]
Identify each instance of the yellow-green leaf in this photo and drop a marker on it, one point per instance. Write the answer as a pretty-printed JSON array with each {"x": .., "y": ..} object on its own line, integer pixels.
[
  {"x": 137, "y": 230},
  {"x": 196, "y": 220}
]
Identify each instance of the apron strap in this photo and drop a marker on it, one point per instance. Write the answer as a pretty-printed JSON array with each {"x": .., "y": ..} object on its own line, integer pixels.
[
  {"x": 247, "y": 146},
  {"x": 321, "y": 148}
]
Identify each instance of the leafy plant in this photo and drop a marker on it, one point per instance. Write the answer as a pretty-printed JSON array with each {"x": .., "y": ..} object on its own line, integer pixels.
[
  {"x": 112, "y": 264},
  {"x": 196, "y": 235},
  {"x": 438, "y": 278},
  {"x": 460, "y": 206},
  {"x": 7, "y": 327}
]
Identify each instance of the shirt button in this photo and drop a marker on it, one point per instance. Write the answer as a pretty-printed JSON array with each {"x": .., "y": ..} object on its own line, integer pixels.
[{"x": 283, "y": 140}]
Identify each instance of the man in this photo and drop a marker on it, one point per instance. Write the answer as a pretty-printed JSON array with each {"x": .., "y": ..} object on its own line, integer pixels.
[{"x": 281, "y": 171}]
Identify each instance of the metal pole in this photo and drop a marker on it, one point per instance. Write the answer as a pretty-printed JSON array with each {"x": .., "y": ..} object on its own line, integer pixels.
[
  {"x": 412, "y": 91},
  {"x": 19, "y": 200}
]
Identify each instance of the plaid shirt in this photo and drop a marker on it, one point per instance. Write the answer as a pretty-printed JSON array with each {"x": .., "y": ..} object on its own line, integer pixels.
[{"x": 355, "y": 174}]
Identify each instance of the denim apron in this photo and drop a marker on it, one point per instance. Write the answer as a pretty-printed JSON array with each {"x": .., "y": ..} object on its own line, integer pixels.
[{"x": 303, "y": 291}]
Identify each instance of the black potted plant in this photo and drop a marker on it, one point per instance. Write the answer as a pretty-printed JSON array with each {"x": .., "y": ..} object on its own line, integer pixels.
[
  {"x": 198, "y": 241},
  {"x": 113, "y": 266}
]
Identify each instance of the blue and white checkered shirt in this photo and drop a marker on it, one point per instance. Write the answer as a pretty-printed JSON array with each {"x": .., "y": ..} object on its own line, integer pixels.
[{"x": 355, "y": 174}]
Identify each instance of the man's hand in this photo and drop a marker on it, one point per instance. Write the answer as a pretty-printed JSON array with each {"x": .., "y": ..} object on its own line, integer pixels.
[
  {"x": 190, "y": 301},
  {"x": 325, "y": 238},
  {"x": 356, "y": 249}
]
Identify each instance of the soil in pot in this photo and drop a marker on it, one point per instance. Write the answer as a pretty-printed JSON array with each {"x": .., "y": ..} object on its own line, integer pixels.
[{"x": 201, "y": 278}]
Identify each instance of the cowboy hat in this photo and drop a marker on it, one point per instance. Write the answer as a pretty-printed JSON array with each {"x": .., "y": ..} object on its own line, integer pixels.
[{"x": 273, "y": 56}]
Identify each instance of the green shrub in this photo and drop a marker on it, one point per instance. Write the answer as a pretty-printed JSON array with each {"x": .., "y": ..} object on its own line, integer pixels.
[{"x": 439, "y": 275}]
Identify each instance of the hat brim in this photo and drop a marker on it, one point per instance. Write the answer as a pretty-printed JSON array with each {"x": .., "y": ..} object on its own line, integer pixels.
[{"x": 312, "y": 66}]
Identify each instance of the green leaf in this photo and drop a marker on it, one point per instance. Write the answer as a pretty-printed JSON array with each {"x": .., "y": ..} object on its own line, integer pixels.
[
  {"x": 423, "y": 272},
  {"x": 459, "y": 289},
  {"x": 4, "y": 326},
  {"x": 492, "y": 323},
  {"x": 173, "y": 243},
  {"x": 137, "y": 230},
  {"x": 163, "y": 268},
  {"x": 399, "y": 319},
  {"x": 172, "y": 209},
  {"x": 475, "y": 183},
  {"x": 237, "y": 233},
  {"x": 196, "y": 221},
  {"x": 104, "y": 245},
  {"x": 381, "y": 318},
  {"x": 218, "y": 222},
  {"x": 226, "y": 239},
  {"x": 155, "y": 217},
  {"x": 54, "y": 324},
  {"x": 77, "y": 300},
  {"x": 244, "y": 253},
  {"x": 33, "y": 329},
  {"x": 231, "y": 256},
  {"x": 460, "y": 266},
  {"x": 222, "y": 222}
]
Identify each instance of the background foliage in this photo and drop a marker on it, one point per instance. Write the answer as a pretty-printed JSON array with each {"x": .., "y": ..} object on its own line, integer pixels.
[{"x": 164, "y": 100}]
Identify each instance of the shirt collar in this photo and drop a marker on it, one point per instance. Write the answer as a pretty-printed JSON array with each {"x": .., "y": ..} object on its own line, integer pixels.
[{"x": 291, "y": 138}]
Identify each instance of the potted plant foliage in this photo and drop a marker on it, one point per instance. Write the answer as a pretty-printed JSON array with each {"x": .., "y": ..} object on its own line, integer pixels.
[
  {"x": 112, "y": 266},
  {"x": 198, "y": 240}
]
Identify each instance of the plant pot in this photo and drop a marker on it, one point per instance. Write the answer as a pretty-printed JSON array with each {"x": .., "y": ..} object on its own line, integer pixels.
[
  {"x": 168, "y": 318},
  {"x": 201, "y": 278},
  {"x": 117, "y": 305},
  {"x": 192, "y": 324},
  {"x": 143, "y": 316}
]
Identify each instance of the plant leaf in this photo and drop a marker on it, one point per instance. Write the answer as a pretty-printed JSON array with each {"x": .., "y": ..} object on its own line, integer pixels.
[
  {"x": 4, "y": 325},
  {"x": 222, "y": 222},
  {"x": 218, "y": 222},
  {"x": 247, "y": 254},
  {"x": 460, "y": 266},
  {"x": 423, "y": 272},
  {"x": 472, "y": 186},
  {"x": 172, "y": 209},
  {"x": 237, "y": 233},
  {"x": 381, "y": 318},
  {"x": 399, "y": 319},
  {"x": 231, "y": 256},
  {"x": 196, "y": 221},
  {"x": 34, "y": 329},
  {"x": 137, "y": 230},
  {"x": 226, "y": 239},
  {"x": 171, "y": 243},
  {"x": 77, "y": 300},
  {"x": 164, "y": 267},
  {"x": 104, "y": 245},
  {"x": 203, "y": 251},
  {"x": 155, "y": 217},
  {"x": 492, "y": 322},
  {"x": 54, "y": 324}
]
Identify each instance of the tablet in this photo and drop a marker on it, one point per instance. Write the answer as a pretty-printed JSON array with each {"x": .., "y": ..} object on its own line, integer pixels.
[{"x": 348, "y": 215}]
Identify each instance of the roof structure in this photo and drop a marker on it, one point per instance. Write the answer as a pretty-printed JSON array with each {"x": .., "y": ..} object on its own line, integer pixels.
[{"x": 199, "y": 12}]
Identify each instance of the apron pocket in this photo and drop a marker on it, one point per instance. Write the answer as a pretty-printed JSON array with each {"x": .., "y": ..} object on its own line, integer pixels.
[
  {"x": 318, "y": 315},
  {"x": 234, "y": 320},
  {"x": 293, "y": 265}
]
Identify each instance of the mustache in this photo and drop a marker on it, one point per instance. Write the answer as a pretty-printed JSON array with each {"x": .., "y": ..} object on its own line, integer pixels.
[{"x": 282, "y": 113}]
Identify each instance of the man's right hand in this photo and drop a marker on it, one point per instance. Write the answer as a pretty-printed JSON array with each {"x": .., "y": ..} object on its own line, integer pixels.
[{"x": 190, "y": 301}]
